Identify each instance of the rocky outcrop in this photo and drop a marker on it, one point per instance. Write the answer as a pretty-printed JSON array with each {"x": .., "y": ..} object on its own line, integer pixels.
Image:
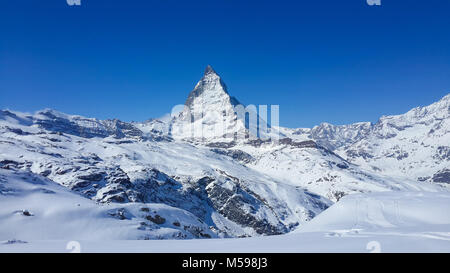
[
  {"x": 443, "y": 176},
  {"x": 237, "y": 155}
]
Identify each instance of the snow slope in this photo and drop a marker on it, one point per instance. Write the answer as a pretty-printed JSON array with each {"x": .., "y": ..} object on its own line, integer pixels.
[
  {"x": 357, "y": 223},
  {"x": 35, "y": 207}
]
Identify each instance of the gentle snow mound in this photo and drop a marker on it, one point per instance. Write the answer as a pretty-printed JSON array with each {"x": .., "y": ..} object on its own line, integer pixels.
[{"x": 374, "y": 211}]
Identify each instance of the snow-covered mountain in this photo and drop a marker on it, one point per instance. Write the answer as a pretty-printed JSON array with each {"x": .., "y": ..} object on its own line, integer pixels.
[
  {"x": 415, "y": 145},
  {"x": 193, "y": 169},
  {"x": 209, "y": 113}
]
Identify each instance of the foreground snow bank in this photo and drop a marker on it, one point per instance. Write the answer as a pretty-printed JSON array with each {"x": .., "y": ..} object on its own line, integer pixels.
[{"x": 380, "y": 222}]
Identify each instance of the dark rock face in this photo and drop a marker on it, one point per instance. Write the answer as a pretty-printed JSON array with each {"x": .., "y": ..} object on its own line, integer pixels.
[
  {"x": 114, "y": 182},
  {"x": 301, "y": 144},
  {"x": 17, "y": 131},
  {"x": 196, "y": 231},
  {"x": 199, "y": 198},
  {"x": 338, "y": 194},
  {"x": 85, "y": 180},
  {"x": 121, "y": 214},
  {"x": 224, "y": 145},
  {"x": 79, "y": 185},
  {"x": 342, "y": 165},
  {"x": 423, "y": 178},
  {"x": 442, "y": 176},
  {"x": 14, "y": 241},
  {"x": 6, "y": 164},
  {"x": 158, "y": 187},
  {"x": 402, "y": 156},
  {"x": 92, "y": 177},
  {"x": 442, "y": 153},
  {"x": 26, "y": 213},
  {"x": 119, "y": 197},
  {"x": 11, "y": 164},
  {"x": 238, "y": 155},
  {"x": 156, "y": 219},
  {"x": 358, "y": 153},
  {"x": 397, "y": 152},
  {"x": 230, "y": 204},
  {"x": 258, "y": 142},
  {"x": 121, "y": 129},
  {"x": 288, "y": 142}
]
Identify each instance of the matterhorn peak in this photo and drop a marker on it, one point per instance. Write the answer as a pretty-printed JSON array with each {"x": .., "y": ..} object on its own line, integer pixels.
[
  {"x": 209, "y": 70},
  {"x": 209, "y": 90},
  {"x": 208, "y": 107}
]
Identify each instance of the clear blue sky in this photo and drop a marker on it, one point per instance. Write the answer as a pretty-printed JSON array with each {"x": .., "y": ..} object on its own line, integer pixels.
[{"x": 335, "y": 61}]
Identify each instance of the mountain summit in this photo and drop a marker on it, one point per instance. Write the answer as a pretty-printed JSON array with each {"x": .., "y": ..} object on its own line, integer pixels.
[
  {"x": 209, "y": 69},
  {"x": 212, "y": 87},
  {"x": 209, "y": 112}
]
